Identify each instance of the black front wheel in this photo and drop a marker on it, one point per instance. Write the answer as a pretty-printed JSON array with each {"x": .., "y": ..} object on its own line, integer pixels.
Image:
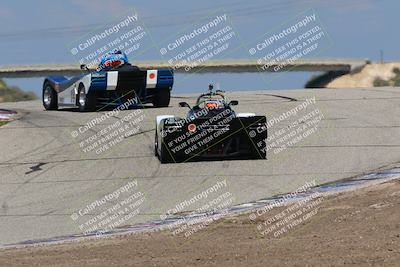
[{"x": 49, "y": 97}]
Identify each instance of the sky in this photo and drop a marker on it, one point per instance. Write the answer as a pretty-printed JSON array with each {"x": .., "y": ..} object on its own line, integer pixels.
[{"x": 45, "y": 31}]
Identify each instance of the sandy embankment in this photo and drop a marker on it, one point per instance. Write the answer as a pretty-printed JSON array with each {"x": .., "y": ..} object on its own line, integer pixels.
[{"x": 366, "y": 76}]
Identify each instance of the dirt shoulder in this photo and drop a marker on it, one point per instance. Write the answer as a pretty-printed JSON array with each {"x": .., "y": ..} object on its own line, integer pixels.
[
  {"x": 359, "y": 228},
  {"x": 365, "y": 78}
]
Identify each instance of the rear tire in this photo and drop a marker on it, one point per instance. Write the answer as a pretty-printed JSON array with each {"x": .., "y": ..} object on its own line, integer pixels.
[
  {"x": 49, "y": 97},
  {"x": 164, "y": 155},
  {"x": 156, "y": 144},
  {"x": 258, "y": 155},
  {"x": 161, "y": 98},
  {"x": 85, "y": 102}
]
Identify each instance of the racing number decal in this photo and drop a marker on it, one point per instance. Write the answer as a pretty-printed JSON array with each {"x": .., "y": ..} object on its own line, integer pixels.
[{"x": 151, "y": 80}]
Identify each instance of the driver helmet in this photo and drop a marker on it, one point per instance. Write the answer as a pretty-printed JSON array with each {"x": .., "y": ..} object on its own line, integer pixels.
[{"x": 114, "y": 59}]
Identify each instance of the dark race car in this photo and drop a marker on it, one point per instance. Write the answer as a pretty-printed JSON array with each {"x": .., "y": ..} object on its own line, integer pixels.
[
  {"x": 114, "y": 82},
  {"x": 211, "y": 130}
]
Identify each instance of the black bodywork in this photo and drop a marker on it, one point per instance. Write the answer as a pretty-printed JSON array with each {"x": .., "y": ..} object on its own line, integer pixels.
[{"x": 217, "y": 133}]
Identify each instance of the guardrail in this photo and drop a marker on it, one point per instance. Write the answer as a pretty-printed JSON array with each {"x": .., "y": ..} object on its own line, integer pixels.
[{"x": 235, "y": 66}]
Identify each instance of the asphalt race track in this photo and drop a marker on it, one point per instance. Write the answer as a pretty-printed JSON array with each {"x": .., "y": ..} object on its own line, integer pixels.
[{"x": 45, "y": 176}]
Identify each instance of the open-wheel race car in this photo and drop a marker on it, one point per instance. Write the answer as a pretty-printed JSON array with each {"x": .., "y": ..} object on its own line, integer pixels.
[
  {"x": 113, "y": 83},
  {"x": 211, "y": 130}
]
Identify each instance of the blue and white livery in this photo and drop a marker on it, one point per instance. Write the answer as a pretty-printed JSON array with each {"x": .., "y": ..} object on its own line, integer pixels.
[{"x": 114, "y": 82}]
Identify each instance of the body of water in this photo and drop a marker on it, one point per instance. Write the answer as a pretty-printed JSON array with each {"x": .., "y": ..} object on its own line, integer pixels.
[{"x": 194, "y": 83}]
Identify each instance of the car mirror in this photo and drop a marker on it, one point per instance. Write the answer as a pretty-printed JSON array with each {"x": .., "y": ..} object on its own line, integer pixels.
[
  {"x": 233, "y": 103},
  {"x": 184, "y": 104},
  {"x": 84, "y": 67}
]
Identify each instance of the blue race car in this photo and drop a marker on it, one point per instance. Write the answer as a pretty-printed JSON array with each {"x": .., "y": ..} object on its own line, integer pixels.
[{"x": 114, "y": 82}]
